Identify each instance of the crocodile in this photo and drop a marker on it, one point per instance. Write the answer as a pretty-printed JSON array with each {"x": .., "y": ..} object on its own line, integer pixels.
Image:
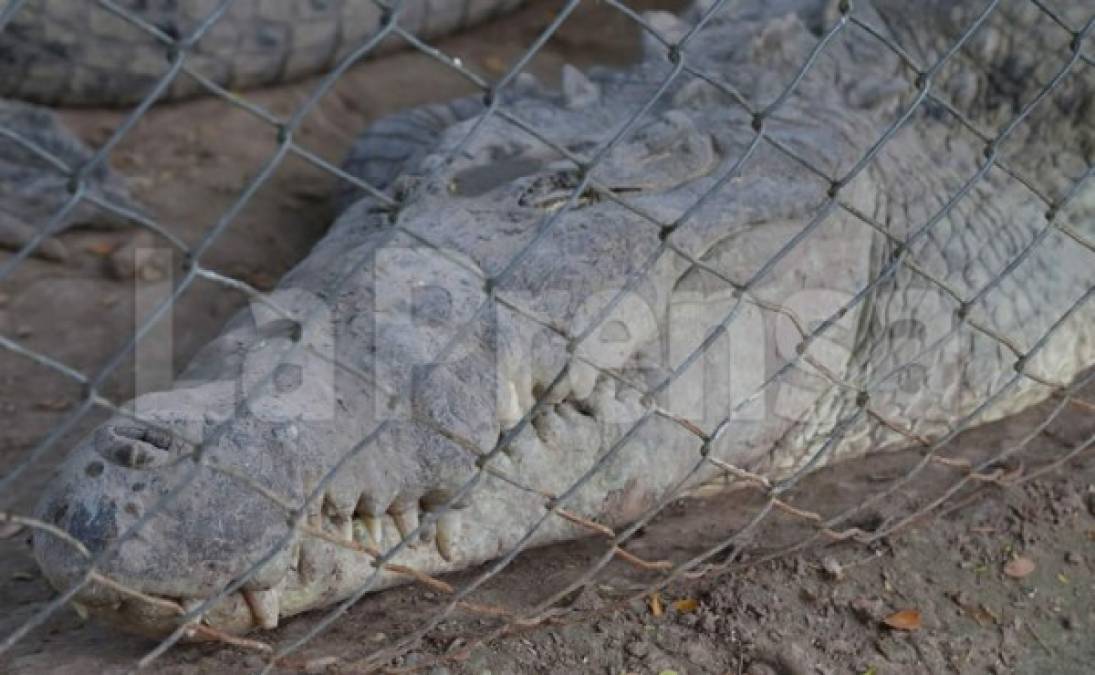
[
  {"x": 87, "y": 54},
  {"x": 33, "y": 190},
  {"x": 64, "y": 53},
  {"x": 711, "y": 255}
]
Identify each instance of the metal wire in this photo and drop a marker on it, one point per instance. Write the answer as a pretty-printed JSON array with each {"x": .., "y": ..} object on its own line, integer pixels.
[{"x": 774, "y": 492}]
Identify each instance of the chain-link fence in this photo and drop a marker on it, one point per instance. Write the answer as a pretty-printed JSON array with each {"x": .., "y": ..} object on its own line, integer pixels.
[{"x": 1009, "y": 349}]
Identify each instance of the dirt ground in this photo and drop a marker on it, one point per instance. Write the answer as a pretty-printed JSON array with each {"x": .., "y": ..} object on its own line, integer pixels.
[{"x": 819, "y": 610}]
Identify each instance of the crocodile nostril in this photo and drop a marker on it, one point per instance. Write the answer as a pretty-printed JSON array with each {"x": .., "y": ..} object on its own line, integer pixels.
[
  {"x": 133, "y": 456},
  {"x": 131, "y": 446},
  {"x": 157, "y": 437}
]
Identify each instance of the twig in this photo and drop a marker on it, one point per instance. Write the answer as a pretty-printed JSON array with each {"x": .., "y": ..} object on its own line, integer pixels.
[{"x": 1038, "y": 637}]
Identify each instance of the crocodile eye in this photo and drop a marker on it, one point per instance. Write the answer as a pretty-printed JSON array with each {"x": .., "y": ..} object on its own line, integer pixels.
[{"x": 481, "y": 179}]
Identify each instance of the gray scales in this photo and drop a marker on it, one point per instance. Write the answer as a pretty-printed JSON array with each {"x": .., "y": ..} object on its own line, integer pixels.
[
  {"x": 61, "y": 52},
  {"x": 501, "y": 312},
  {"x": 67, "y": 53}
]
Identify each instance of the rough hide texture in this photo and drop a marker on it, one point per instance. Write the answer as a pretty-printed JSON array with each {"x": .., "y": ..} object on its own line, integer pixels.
[
  {"x": 449, "y": 328},
  {"x": 80, "y": 53},
  {"x": 33, "y": 190}
]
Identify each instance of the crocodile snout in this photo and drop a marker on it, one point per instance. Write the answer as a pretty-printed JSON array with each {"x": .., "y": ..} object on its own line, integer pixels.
[
  {"x": 165, "y": 531},
  {"x": 135, "y": 447}
]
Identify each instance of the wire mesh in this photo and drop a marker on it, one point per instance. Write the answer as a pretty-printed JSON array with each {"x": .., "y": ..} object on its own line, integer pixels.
[{"x": 775, "y": 493}]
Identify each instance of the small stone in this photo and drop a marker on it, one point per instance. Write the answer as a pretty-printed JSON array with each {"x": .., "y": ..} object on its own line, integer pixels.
[
  {"x": 140, "y": 258},
  {"x": 963, "y": 599},
  {"x": 866, "y": 610},
  {"x": 320, "y": 665},
  {"x": 1073, "y": 558},
  {"x": 832, "y": 567},
  {"x": 638, "y": 649}
]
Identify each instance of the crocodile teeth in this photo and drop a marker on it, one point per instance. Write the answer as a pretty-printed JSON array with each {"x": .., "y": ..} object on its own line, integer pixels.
[
  {"x": 406, "y": 522},
  {"x": 264, "y": 607},
  {"x": 346, "y": 529},
  {"x": 509, "y": 408},
  {"x": 374, "y": 525},
  {"x": 361, "y": 535},
  {"x": 190, "y": 604},
  {"x": 447, "y": 527}
]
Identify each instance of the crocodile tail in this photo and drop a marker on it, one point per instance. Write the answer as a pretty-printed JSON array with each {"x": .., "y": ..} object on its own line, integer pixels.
[{"x": 80, "y": 53}]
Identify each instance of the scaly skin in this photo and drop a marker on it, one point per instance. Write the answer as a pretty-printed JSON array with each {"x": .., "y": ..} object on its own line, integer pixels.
[
  {"x": 900, "y": 349},
  {"x": 63, "y": 52},
  {"x": 66, "y": 52},
  {"x": 32, "y": 190}
]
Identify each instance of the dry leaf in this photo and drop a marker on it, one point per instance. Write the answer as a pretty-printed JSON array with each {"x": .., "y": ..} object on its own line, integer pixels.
[
  {"x": 100, "y": 248},
  {"x": 686, "y": 605},
  {"x": 260, "y": 281},
  {"x": 1019, "y": 567},
  {"x": 988, "y": 610},
  {"x": 656, "y": 604},
  {"x": 52, "y": 405},
  {"x": 980, "y": 615},
  {"x": 906, "y": 619}
]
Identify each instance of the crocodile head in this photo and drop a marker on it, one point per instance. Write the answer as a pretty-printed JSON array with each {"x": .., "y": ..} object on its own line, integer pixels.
[{"x": 204, "y": 537}]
